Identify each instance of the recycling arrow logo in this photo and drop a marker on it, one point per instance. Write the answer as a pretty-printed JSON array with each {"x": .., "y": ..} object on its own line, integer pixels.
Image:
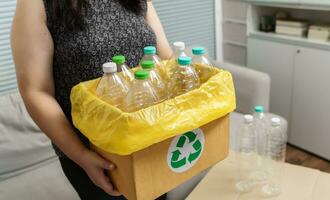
[{"x": 185, "y": 150}]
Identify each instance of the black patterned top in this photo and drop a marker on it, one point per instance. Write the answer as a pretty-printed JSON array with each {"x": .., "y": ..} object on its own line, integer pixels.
[{"x": 110, "y": 29}]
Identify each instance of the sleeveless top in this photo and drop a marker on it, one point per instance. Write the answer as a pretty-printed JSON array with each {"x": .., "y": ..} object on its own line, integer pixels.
[{"x": 110, "y": 29}]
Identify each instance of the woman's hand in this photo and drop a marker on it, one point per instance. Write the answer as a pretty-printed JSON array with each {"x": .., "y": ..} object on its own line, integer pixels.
[{"x": 94, "y": 165}]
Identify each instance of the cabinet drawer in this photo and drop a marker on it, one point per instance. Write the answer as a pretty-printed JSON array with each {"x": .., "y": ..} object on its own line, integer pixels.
[
  {"x": 234, "y": 32},
  {"x": 235, "y": 54},
  {"x": 234, "y": 9}
]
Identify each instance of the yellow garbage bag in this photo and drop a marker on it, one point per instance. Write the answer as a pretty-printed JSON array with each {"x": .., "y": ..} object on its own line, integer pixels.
[{"x": 122, "y": 133}]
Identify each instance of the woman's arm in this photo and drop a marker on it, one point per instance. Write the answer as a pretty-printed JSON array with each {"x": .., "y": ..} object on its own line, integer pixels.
[
  {"x": 164, "y": 49},
  {"x": 33, "y": 49}
]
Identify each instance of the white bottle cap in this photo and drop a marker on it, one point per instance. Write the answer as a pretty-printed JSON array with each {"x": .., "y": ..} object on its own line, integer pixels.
[
  {"x": 109, "y": 67},
  {"x": 276, "y": 121},
  {"x": 248, "y": 118},
  {"x": 179, "y": 46}
]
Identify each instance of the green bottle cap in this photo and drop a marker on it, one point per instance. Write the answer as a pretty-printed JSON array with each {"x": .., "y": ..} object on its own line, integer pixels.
[
  {"x": 149, "y": 50},
  {"x": 141, "y": 75},
  {"x": 119, "y": 59},
  {"x": 259, "y": 109},
  {"x": 147, "y": 64},
  {"x": 184, "y": 61},
  {"x": 198, "y": 51}
]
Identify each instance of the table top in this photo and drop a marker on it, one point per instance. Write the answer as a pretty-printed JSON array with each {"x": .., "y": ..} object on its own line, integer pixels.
[{"x": 299, "y": 183}]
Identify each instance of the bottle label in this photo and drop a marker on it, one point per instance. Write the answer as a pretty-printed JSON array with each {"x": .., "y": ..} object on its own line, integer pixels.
[{"x": 185, "y": 150}]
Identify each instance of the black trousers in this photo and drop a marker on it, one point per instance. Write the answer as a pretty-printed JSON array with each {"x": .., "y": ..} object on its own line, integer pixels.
[{"x": 85, "y": 188}]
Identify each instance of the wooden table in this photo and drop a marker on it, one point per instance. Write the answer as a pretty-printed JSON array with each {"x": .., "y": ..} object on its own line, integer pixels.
[{"x": 299, "y": 183}]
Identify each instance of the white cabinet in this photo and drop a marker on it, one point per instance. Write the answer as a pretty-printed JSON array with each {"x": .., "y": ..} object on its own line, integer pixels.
[
  {"x": 234, "y": 31},
  {"x": 299, "y": 90},
  {"x": 310, "y": 122},
  {"x": 275, "y": 59}
]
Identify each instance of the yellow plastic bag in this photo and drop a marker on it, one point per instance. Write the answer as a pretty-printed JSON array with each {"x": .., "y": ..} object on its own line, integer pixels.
[{"x": 122, "y": 133}]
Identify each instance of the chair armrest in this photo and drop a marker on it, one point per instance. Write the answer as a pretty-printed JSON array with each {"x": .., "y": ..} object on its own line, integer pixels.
[{"x": 252, "y": 87}]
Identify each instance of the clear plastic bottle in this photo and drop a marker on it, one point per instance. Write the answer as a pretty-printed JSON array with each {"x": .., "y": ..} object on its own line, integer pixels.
[
  {"x": 141, "y": 94},
  {"x": 150, "y": 53},
  {"x": 202, "y": 64},
  {"x": 276, "y": 149},
  {"x": 260, "y": 125},
  {"x": 127, "y": 74},
  {"x": 155, "y": 79},
  {"x": 112, "y": 88},
  {"x": 246, "y": 155},
  {"x": 184, "y": 78},
  {"x": 178, "y": 51}
]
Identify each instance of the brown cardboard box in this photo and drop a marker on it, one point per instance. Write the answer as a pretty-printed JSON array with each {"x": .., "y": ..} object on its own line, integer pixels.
[{"x": 146, "y": 174}]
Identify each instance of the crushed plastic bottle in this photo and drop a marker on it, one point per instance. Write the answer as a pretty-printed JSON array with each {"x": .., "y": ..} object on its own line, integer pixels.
[
  {"x": 141, "y": 94},
  {"x": 155, "y": 79},
  {"x": 184, "y": 78},
  {"x": 127, "y": 74},
  {"x": 112, "y": 88}
]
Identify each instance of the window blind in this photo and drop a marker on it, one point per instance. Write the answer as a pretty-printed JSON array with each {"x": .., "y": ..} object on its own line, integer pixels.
[
  {"x": 190, "y": 21},
  {"x": 7, "y": 72}
]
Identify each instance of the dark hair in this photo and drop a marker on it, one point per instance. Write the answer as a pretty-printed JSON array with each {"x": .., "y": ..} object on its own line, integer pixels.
[{"x": 69, "y": 12}]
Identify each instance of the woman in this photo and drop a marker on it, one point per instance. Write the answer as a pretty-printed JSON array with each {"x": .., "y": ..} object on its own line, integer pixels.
[{"x": 59, "y": 43}]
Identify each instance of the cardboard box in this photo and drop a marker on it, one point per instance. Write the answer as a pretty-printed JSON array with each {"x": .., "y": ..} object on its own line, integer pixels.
[{"x": 149, "y": 173}]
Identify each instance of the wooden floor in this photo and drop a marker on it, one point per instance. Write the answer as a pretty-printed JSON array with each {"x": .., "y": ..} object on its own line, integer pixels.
[{"x": 298, "y": 157}]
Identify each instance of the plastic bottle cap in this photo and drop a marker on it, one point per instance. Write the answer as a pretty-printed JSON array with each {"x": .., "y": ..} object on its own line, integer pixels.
[
  {"x": 248, "y": 118},
  {"x": 141, "y": 75},
  {"x": 198, "y": 51},
  {"x": 183, "y": 61},
  {"x": 149, "y": 50},
  {"x": 179, "y": 45},
  {"x": 148, "y": 64},
  {"x": 276, "y": 121},
  {"x": 259, "y": 109},
  {"x": 119, "y": 59},
  {"x": 109, "y": 67}
]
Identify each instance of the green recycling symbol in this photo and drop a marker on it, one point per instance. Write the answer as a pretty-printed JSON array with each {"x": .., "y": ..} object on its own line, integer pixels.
[{"x": 185, "y": 150}]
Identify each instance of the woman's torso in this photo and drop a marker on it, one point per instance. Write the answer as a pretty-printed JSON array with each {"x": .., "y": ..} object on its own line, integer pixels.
[{"x": 109, "y": 30}]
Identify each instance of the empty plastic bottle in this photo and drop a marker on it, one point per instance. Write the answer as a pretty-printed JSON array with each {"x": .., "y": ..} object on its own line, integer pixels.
[
  {"x": 155, "y": 79},
  {"x": 260, "y": 126},
  {"x": 141, "y": 94},
  {"x": 246, "y": 154},
  {"x": 150, "y": 53},
  {"x": 112, "y": 88},
  {"x": 184, "y": 77},
  {"x": 178, "y": 51},
  {"x": 202, "y": 64},
  {"x": 127, "y": 74},
  {"x": 276, "y": 148}
]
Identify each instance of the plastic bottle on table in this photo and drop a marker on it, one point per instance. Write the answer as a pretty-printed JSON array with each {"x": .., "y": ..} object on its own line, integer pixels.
[
  {"x": 246, "y": 154},
  {"x": 276, "y": 148},
  {"x": 155, "y": 79},
  {"x": 260, "y": 125},
  {"x": 202, "y": 64},
  {"x": 141, "y": 94},
  {"x": 112, "y": 88},
  {"x": 184, "y": 77},
  {"x": 127, "y": 74},
  {"x": 150, "y": 53}
]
